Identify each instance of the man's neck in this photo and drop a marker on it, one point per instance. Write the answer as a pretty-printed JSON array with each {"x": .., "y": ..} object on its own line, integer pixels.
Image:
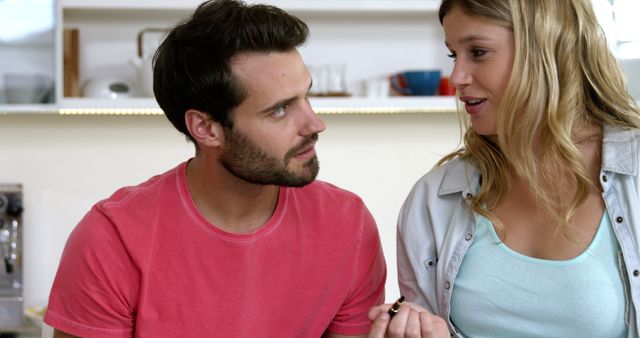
[{"x": 227, "y": 202}]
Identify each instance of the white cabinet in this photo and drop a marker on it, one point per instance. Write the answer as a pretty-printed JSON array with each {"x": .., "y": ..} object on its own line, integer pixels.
[
  {"x": 27, "y": 55},
  {"x": 373, "y": 38}
]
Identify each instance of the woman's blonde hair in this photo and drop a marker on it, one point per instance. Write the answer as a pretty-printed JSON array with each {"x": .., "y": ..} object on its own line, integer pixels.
[{"x": 563, "y": 77}]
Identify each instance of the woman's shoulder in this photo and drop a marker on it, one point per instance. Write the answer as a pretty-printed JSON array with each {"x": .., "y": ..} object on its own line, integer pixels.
[
  {"x": 617, "y": 134},
  {"x": 621, "y": 150},
  {"x": 450, "y": 177},
  {"x": 436, "y": 198}
]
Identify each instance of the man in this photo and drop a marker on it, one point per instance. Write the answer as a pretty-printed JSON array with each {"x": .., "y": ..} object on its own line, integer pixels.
[{"x": 239, "y": 241}]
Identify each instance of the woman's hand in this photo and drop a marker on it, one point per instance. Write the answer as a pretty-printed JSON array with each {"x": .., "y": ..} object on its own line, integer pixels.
[{"x": 410, "y": 321}]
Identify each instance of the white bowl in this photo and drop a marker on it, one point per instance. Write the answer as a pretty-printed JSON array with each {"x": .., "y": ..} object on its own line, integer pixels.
[{"x": 27, "y": 88}]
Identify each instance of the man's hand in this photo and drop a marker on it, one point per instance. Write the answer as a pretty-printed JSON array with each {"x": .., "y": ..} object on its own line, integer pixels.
[{"x": 411, "y": 321}]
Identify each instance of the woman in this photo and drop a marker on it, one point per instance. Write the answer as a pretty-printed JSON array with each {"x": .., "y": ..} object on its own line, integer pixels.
[{"x": 532, "y": 228}]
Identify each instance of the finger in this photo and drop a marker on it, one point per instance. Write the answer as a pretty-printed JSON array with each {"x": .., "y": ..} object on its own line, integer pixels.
[
  {"x": 433, "y": 326},
  {"x": 398, "y": 325},
  {"x": 380, "y": 324},
  {"x": 414, "y": 306},
  {"x": 395, "y": 307},
  {"x": 375, "y": 311},
  {"x": 413, "y": 328}
]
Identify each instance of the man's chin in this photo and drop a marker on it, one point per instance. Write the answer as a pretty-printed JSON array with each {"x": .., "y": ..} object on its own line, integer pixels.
[{"x": 302, "y": 180}]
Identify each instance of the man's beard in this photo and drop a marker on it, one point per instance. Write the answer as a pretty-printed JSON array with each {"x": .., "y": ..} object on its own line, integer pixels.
[{"x": 247, "y": 161}]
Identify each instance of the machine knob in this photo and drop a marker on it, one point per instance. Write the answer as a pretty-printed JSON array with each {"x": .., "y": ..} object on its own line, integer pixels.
[
  {"x": 14, "y": 207},
  {"x": 3, "y": 203}
]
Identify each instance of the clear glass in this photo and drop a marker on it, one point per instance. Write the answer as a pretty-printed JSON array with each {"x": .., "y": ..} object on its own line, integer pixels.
[{"x": 27, "y": 51}]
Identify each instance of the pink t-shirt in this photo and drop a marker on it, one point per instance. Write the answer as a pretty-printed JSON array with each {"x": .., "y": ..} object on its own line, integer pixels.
[{"x": 145, "y": 263}]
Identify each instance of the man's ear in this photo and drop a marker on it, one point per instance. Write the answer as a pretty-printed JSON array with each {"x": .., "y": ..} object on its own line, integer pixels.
[{"x": 205, "y": 131}]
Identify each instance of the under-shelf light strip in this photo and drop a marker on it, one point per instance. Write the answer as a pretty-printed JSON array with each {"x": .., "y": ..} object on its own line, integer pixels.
[{"x": 110, "y": 111}]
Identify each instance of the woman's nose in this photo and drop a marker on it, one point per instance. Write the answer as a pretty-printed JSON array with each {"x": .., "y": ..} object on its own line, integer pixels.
[{"x": 460, "y": 76}]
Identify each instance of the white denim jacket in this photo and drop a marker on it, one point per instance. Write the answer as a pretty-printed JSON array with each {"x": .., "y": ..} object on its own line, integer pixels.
[{"x": 436, "y": 225}]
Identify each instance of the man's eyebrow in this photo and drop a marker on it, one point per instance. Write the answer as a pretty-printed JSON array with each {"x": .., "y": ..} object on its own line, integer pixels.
[
  {"x": 282, "y": 102},
  {"x": 277, "y": 105}
]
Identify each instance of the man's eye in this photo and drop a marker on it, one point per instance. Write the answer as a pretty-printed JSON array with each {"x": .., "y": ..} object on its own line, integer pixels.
[{"x": 279, "y": 112}]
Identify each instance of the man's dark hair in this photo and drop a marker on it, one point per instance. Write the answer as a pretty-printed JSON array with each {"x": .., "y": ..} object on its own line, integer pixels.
[{"x": 191, "y": 68}]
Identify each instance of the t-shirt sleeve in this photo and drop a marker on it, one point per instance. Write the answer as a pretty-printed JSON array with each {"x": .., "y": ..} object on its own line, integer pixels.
[
  {"x": 94, "y": 293},
  {"x": 369, "y": 279}
]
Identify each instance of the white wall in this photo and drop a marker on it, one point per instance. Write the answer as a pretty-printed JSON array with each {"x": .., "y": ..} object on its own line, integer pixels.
[{"x": 67, "y": 163}]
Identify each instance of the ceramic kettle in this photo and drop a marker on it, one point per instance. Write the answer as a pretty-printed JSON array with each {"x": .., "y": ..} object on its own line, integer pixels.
[{"x": 143, "y": 62}]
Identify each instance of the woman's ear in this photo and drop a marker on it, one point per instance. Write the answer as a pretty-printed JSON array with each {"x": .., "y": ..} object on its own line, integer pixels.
[{"x": 205, "y": 131}]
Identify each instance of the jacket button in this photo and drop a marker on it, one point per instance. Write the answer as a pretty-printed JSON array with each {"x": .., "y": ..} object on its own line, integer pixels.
[
  {"x": 619, "y": 219},
  {"x": 468, "y": 237},
  {"x": 636, "y": 273},
  {"x": 469, "y": 196},
  {"x": 604, "y": 178},
  {"x": 447, "y": 285}
]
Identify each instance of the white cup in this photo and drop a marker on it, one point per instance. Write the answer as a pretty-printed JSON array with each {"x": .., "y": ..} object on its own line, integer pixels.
[
  {"x": 377, "y": 87},
  {"x": 319, "y": 80},
  {"x": 337, "y": 82}
]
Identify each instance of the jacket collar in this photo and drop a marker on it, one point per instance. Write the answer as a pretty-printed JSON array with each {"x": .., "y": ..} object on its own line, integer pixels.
[
  {"x": 459, "y": 176},
  {"x": 620, "y": 150}
]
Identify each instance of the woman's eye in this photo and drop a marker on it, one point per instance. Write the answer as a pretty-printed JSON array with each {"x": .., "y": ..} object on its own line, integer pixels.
[
  {"x": 452, "y": 56},
  {"x": 477, "y": 52}
]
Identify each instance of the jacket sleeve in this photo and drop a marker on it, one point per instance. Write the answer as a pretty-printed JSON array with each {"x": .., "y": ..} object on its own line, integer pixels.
[{"x": 416, "y": 250}]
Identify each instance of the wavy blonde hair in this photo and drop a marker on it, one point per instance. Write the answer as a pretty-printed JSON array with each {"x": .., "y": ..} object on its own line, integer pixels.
[{"x": 563, "y": 77}]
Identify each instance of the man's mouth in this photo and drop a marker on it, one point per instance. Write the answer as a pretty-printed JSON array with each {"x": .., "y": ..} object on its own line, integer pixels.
[{"x": 305, "y": 147}]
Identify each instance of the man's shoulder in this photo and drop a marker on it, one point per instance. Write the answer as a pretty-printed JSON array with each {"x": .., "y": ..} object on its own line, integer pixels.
[
  {"x": 157, "y": 187},
  {"x": 132, "y": 210}
]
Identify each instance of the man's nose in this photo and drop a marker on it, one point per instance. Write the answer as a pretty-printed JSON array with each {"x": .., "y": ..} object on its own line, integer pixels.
[{"x": 312, "y": 123}]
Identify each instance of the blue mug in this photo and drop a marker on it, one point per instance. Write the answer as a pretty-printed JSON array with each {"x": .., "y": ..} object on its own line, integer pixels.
[{"x": 416, "y": 82}]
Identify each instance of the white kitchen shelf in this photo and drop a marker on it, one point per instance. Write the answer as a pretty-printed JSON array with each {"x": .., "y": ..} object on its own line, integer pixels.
[
  {"x": 28, "y": 108},
  {"x": 387, "y": 6},
  {"x": 393, "y": 105}
]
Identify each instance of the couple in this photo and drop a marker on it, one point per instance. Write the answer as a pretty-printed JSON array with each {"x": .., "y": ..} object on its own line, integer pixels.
[{"x": 531, "y": 229}]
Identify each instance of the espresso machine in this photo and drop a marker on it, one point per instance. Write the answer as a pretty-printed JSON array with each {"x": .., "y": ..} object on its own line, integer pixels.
[{"x": 11, "y": 301}]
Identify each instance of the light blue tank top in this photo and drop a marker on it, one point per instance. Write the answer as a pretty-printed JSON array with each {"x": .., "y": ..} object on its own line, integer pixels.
[{"x": 501, "y": 293}]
